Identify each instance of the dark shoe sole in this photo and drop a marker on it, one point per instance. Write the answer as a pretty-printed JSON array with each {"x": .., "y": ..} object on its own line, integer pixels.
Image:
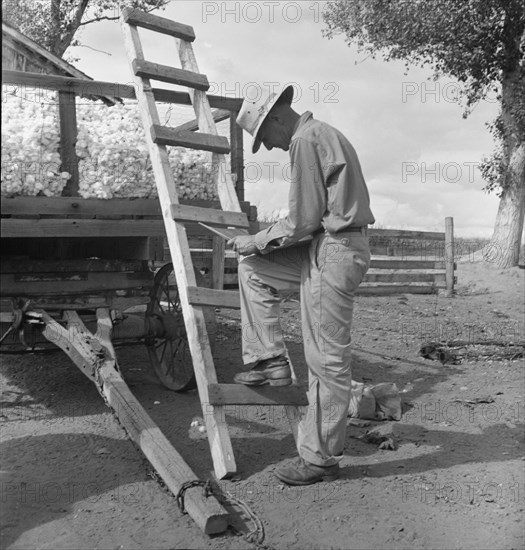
[
  {"x": 327, "y": 477},
  {"x": 271, "y": 382}
]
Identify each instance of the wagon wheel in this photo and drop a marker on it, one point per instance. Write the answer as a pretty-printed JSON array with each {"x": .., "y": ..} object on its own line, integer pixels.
[{"x": 167, "y": 342}]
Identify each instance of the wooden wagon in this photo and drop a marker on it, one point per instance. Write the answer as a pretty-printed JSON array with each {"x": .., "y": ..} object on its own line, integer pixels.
[{"x": 69, "y": 263}]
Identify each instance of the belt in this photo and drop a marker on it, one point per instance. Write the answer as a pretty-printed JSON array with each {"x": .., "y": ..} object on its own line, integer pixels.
[{"x": 363, "y": 229}]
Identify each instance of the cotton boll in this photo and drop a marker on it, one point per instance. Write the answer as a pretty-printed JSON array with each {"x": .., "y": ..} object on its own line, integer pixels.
[{"x": 112, "y": 151}]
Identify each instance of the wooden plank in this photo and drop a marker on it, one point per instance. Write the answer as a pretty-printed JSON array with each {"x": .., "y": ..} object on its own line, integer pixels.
[
  {"x": 78, "y": 343},
  {"x": 406, "y": 264},
  {"x": 90, "y": 301},
  {"x": 35, "y": 284},
  {"x": 217, "y": 430},
  {"x": 218, "y": 116},
  {"x": 218, "y": 262},
  {"x": 401, "y": 250},
  {"x": 31, "y": 206},
  {"x": 404, "y": 277},
  {"x": 449, "y": 255},
  {"x": 13, "y": 228},
  {"x": 34, "y": 83},
  {"x": 237, "y": 394},
  {"x": 163, "y": 135},
  {"x": 158, "y": 24},
  {"x": 23, "y": 206},
  {"x": 171, "y": 75},
  {"x": 209, "y": 515},
  {"x": 67, "y": 114},
  {"x": 195, "y": 214},
  {"x": 199, "y": 296},
  {"x": 378, "y": 289},
  {"x": 58, "y": 266},
  {"x": 404, "y": 234}
]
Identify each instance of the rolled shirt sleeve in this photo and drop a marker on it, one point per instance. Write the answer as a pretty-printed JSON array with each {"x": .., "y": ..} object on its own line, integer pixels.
[{"x": 307, "y": 199}]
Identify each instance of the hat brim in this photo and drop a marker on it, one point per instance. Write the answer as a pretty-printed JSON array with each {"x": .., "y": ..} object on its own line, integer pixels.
[{"x": 287, "y": 95}]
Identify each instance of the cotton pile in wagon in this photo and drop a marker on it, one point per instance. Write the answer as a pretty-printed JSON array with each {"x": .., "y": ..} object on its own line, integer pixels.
[
  {"x": 30, "y": 142},
  {"x": 111, "y": 148}
]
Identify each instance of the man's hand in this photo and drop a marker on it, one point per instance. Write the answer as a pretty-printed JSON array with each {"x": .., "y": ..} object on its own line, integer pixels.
[{"x": 244, "y": 245}]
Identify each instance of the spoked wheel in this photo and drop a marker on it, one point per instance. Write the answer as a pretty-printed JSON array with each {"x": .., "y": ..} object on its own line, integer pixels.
[{"x": 167, "y": 343}]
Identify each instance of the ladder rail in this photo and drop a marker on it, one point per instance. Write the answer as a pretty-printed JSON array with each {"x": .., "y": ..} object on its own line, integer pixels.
[
  {"x": 213, "y": 397},
  {"x": 198, "y": 340},
  {"x": 225, "y": 188}
]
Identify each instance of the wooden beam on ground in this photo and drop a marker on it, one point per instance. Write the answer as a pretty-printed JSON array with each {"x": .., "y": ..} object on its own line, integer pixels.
[
  {"x": 207, "y": 513},
  {"x": 95, "y": 356}
]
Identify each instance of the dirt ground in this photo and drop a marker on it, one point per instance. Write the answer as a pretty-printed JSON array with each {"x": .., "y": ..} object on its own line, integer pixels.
[{"x": 72, "y": 480}]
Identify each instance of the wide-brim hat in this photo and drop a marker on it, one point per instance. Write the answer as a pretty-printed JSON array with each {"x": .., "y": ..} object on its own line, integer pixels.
[{"x": 254, "y": 111}]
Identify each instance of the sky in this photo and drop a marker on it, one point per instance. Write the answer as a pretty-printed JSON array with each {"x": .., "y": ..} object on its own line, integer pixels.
[{"x": 418, "y": 154}]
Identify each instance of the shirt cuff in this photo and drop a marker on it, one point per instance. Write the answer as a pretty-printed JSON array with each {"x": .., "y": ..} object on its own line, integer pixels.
[{"x": 266, "y": 242}]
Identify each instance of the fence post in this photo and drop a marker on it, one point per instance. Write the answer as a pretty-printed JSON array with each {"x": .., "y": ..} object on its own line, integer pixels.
[
  {"x": 449, "y": 255},
  {"x": 68, "y": 138},
  {"x": 217, "y": 262}
]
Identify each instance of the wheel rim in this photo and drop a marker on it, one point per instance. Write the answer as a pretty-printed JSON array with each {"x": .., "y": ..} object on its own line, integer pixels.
[{"x": 169, "y": 354}]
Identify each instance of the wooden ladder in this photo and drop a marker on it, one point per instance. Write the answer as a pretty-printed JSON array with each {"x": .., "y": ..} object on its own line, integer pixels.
[{"x": 213, "y": 396}]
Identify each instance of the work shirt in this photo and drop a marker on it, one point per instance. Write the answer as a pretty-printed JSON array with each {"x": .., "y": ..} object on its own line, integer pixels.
[{"x": 327, "y": 192}]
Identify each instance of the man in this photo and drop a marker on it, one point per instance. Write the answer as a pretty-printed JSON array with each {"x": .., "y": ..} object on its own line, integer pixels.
[{"x": 329, "y": 205}]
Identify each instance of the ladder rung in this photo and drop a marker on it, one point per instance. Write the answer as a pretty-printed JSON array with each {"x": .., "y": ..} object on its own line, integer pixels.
[
  {"x": 210, "y": 216},
  {"x": 200, "y": 296},
  {"x": 165, "y": 73},
  {"x": 158, "y": 24},
  {"x": 164, "y": 135},
  {"x": 237, "y": 394}
]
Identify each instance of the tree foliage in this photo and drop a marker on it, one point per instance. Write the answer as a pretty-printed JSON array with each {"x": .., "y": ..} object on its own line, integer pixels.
[
  {"x": 481, "y": 43},
  {"x": 54, "y": 23}
]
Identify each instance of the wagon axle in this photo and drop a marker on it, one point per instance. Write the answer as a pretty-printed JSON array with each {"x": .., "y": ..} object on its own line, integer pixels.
[{"x": 163, "y": 326}]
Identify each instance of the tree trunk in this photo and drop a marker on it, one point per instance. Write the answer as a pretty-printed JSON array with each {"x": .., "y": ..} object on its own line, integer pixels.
[{"x": 505, "y": 244}]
